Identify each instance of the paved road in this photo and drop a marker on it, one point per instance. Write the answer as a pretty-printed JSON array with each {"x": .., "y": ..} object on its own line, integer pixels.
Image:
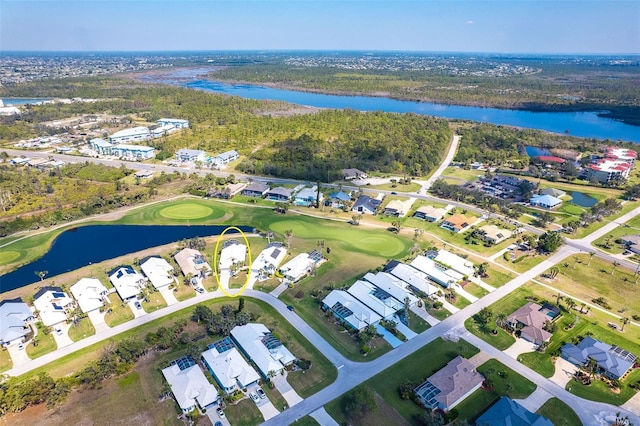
[{"x": 453, "y": 148}]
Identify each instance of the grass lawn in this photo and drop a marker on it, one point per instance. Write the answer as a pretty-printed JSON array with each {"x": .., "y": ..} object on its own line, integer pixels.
[
  {"x": 398, "y": 187},
  {"x": 559, "y": 413},
  {"x": 184, "y": 292},
  {"x": 475, "y": 290},
  {"x": 156, "y": 301},
  {"x": 503, "y": 381},
  {"x": 497, "y": 277},
  {"x": 46, "y": 343},
  {"x": 275, "y": 397},
  {"x": 411, "y": 369},
  {"x": 583, "y": 232},
  {"x": 460, "y": 173},
  {"x": 5, "y": 360},
  {"x": 522, "y": 264},
  {"x": 244, "y": 413},
  {"x": 630, "y": 228},
  {"x": 460, "y": 302},
  {"x": 588, "y": 282},
  {"x": 306, "y": 421},
  {"x": 119, "y": 312},
  {"x": 538, "y": 362},
  {"x": 417, "y": 324},
  {"x": 439, "y": 314},
  {"x": 599, "y": 390},
  {"x": 84, "y": 328}
]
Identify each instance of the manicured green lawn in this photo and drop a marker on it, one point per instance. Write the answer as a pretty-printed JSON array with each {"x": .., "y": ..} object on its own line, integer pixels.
[
  {"x": 583, "y": 232},
  {"x": 245, "y": 413},
  {"x": 184, "y": 292},
  {"x": 460, "y": 302},
  {"x": 414, "y": 369},
  {"x": 119, "y": 312},
  {"x": 306, "y": 421},
  {"x": 5, "y": 360},
  {"x": 411, "y": 187},
  {"x": 46, "y": 343},
  {"x": 630, "y": 228},
  {"x": 522, "y": 265},
  {"x": 417, "y": 324},
  {"x": 459, "y": 173},
  {"x": 559, "y": 413},
  {"x": 83, "y": 329},
  {"x": 599, "y": 390},
  {"x": 502, "y": 381},
  {"x": 538, "y": 362},
  {"x": 475, "y": 290},
  {"x": 156, "y": 301}
]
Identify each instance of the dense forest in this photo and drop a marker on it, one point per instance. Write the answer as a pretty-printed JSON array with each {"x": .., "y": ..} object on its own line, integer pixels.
[{"x": 556, "y": 87}]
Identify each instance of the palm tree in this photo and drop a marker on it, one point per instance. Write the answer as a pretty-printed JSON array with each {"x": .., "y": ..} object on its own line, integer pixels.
[
  {"x": 288, "y": 233},
  {"x": 575, "y": 261},
  {"x": 624, "y": 321},
  {"x": 582, "y": 305},
  {"x": 41, "y": 274},
  {"x": 591, "y": 254},
  {"x": 570, "y": 303},
  {"x": 559, "y": 297},
  {"x": 501, "y": 319},
  {"x": 615, "y": 265}
]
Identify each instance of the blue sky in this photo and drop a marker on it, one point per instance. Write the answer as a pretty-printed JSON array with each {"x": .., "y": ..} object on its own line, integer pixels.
[{"x": 515, "y": 26}]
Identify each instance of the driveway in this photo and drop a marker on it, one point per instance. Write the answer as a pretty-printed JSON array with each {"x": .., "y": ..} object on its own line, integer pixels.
[
  {"x": 137, "y": 313},
  {"x": 168, "y": 295},
  {"x": 63, "y": 339},
  {"x": 534, "y": 401},
  {"x": 564, "y": 372},
  {"x": 213, "y": 416},
  {"x": 19, "y": 357},
  {"x": 267, "y": 409},
  {"x": 424, "y": 315},
  {"x": 286, "y": 390},
  {"x": 97, "y": 318},
  {"x": 521, "y": 346},
  {"x": 390, "y": 338},
  {"x": 323, "y": 418}
]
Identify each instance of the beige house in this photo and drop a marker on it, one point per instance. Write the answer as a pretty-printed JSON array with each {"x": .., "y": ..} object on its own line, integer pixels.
[{"x": 493, "y": 234}]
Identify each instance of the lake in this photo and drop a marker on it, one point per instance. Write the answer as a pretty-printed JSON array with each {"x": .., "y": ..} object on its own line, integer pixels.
[
  {"x": 79, "y": 247},
  {"x": 581, "y": 124},
  {"x": 581, "y": 199}
]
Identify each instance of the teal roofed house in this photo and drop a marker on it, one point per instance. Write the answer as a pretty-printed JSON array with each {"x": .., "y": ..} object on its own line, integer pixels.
[{"x": 507, "y": 412}]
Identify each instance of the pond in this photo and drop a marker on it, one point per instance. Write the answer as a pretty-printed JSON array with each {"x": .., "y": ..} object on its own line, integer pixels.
[
  {"x": 534, "y": 151},
  {"x": 85, "y": 245},
  {"x": 581, "y": 199}
]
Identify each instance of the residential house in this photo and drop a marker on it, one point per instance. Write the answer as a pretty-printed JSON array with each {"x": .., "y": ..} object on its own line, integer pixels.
[
  {"x": 19, "y": 161},
  {"x": 134, "y": 134},
  {"x": 301, "y": 265},
  {"x": 190, "y": 386},
  {"x": 175, "y": 122},
  {"x": 493, "y": 234},
  {"x": 458, "y": 223},
  {"x": 233, "y": 252},
  {"x": 133, "y": 152},
  {"x": 376, "y": 299},
  {"x": 127, "y": 282},
  {"x": 530, "y": 320},
  {"x": 450, "y": 385},
  {"x": 227, "y": 366},
  {"x": 395, "y": 208},
  {"x": 256, "y": 189},
  {"x": 507, "y": 412},
  {"x": 350, "y": 174},
  {"x": 436, "y": 272},
  {"x": 158, "y": 271},
  {"x": 308, "y": 197},
  {"x": 613, "y": 361},
  {"x": 631, "y": 243},
  {"x": 545, "y": 201},
  {"x": 90, "y": 294},
  {"x": 280, "y": 193},
  {"x": 15, "y": 317},
  {"x": 553, "y": 192},
  {"x": 162, "y": 130},
  {"x": 350, "y": 310},
  {"x": 263, "y": 348},
  {"x": 366, "y": 205},
  {"x": 267, "y": 262},
  {"x": 605, "y": 170},
  {"x": 52, "y": 304},
  {"x": 393, "y": 286},
  {"x": 225, "y": 158},
  {"x": 430, "y": 213},
  {"x": 417, "y": 280},
  {"x": 338, "y": 199},
  {"x": 191, "y": 155},
  {"x": 230, "y": 191},
  {"x": 455, "y": 262},
  {"x": 192, "y": 262}
]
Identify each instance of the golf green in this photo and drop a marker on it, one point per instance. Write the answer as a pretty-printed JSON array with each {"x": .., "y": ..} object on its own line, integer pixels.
[
  {"x": 7, "y": 256},
  {"x": 186, "y": 211}
]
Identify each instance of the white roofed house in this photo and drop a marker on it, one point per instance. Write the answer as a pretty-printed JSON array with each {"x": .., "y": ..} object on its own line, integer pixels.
[
  {"x": 192, "y": 262},
  {"x": 101, "y": 146},
  {"x": 393, "y": 285},
  {"x": 417, "y": 280},
  {"x": 90, "y": 294},
  {"x": 190, "y": 386},
  {"x": 395, "y": 208},
  {"x": 455, "y": 262},
  {"x": 127, "y": 282},
  {"x": 225, "y": 158},
  {"x": 301, "y": 265},
  {"x": 263, "y": 348},
  {"x": 375, "y": 298},
  {"x": 158, "y": 271},
  {"x": 15, "y": 317},
  {"x": 233, "y": 252},
  {"x": 436, "y": 272},
  {"x": 350, "y": 310},
  {"x": 163, "y": 130},
  {"x": 134, "y": 134},
  {"x": 52, "y": 304},
  {"x": 175, "y": 122},
  {"x": 192, "y": 155},
  {"x": 430, "y": 213},
  {"x": 228, "y": 367},
  {"x": 268, "y": 260}
]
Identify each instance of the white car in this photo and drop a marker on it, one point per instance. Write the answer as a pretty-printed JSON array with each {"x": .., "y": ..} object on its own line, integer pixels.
[
  {"x": 254, "y": 396},
  {"x": 220, "y": 413},
  {"x": 59, "y": 331}
]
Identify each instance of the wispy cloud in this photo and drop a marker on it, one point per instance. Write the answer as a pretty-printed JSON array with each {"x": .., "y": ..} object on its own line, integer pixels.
[{"x": 469, "y": 22}]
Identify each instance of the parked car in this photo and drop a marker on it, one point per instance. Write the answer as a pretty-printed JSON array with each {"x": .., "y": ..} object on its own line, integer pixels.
[
  {"x": 137, "y": 305},
  {"x": 261, "y": 393},
  {"x": 254, "y": 397},
  {"x": 200, "y": 290},
  {"x": 59, "y": 331},
  {"x": 291, "y": 308},
  {"x": 20, "y": 346},
  {"x": 218, "y": 424},
  {"x": 220, "y": 413}
]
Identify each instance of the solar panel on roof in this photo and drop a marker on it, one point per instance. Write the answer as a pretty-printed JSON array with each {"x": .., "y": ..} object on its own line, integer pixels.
[
  {"x": 58, "y": 295},
  {"x": 275, "y": 253}
]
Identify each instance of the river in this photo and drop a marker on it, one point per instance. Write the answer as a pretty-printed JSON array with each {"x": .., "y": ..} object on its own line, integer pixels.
[
  {"x": 79, "y": 247},
  {"x": 581, "y": 124}
]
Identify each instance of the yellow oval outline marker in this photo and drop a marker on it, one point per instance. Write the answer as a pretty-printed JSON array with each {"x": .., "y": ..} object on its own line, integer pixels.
[{"x": 215, "y": 262}]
